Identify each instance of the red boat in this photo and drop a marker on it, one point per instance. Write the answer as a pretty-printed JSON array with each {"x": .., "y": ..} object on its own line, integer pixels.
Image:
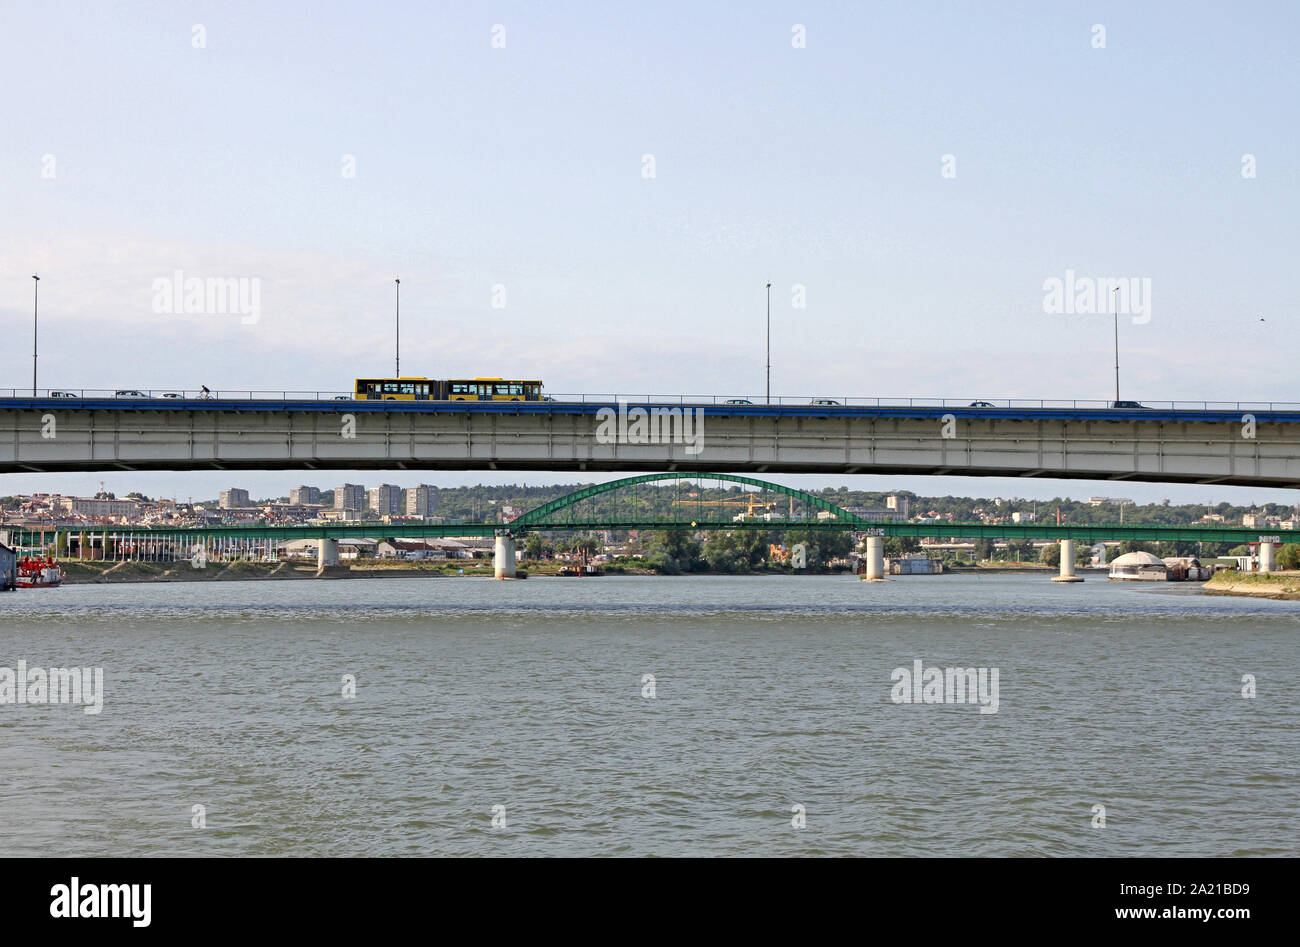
[{"x": 37, "y": 572}]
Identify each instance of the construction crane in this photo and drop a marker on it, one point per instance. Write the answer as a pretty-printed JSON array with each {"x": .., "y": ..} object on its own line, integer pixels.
[{"x": 752, "y": 504}]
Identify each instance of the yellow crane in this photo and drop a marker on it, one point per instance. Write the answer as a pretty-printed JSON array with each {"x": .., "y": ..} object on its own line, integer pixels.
[{"x": 752, "y": 503}]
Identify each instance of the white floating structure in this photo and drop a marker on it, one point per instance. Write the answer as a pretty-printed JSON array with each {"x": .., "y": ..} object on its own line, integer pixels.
[{"x": 1139, "y": 567}]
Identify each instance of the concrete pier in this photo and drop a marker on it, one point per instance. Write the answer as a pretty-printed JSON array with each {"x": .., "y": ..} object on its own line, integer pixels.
[
  {"x": 327, "y": 554},
  {"x": 504, "y": 556},
  {"x": 875, "y": 559},
  {"x": 1267, "y": 562},
  {"x": 1067, "y": 563}
]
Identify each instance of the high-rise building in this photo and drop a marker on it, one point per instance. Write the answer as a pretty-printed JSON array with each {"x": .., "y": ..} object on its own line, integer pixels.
[
  {"x": 421, "y": 500},
  {"x": 233, "y": 498},
  {"x": 386, "y": 499},
  {"x": 350, "y": 496},
  {"x": 299, "y": 496}
]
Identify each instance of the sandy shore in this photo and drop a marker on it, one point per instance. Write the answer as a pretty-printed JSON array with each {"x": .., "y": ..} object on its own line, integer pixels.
[{"x": 1277, "y": 585}]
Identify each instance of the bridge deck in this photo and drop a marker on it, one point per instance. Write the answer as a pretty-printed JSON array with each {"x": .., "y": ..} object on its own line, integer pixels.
[
  {"x": 1240, "y": 445},
  {"x": 1263, "y": 411}
]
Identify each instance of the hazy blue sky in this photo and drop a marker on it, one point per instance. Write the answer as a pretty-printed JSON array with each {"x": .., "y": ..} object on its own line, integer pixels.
[{"x": 129, "y": 152}]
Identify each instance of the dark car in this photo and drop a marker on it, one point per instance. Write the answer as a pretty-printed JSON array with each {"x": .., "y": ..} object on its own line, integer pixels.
[
  {"x": 738, "y": 401},
  {"x": 982, "y": 404},
  {"x": 1129, "y": 404}
]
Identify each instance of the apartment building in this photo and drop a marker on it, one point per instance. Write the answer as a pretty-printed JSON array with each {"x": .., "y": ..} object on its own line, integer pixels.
[
  {"x": 350, "y": 496},
  {"x": 233, "y": 499}
]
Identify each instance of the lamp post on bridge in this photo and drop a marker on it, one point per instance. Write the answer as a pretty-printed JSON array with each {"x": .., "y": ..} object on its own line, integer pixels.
[
  {"x": 36, "y": 301},
  {"x": 769, "y": 343},
  {"x": 1115, "y": 296},
  {"x": 397, "y": 330}
]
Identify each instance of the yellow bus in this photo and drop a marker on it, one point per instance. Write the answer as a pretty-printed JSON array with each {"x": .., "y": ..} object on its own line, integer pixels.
[
  {"x": 492, "y": 389},
  {"x": 419, "y": 388},
  {"x": 412, "y": 388}
]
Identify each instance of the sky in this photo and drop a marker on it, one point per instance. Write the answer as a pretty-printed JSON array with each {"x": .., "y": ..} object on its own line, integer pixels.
[{"x": 597, "y": 198}]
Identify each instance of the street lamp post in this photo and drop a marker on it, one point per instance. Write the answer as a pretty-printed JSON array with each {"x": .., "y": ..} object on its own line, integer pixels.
[
  {"x": 36, "y": 303},
  {"x": 1115, "y": 293},
  {"x": 397, "y": 341},
  {"x": 769, "y": 343}
]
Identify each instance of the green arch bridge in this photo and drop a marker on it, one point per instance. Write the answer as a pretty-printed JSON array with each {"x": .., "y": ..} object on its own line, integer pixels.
[{"x": 559, "y": 515}]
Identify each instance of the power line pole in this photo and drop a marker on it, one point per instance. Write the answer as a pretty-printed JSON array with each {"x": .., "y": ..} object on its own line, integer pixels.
[{"x": 397, "y": 345}]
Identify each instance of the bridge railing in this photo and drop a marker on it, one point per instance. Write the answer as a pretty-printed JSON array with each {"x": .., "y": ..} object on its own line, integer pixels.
[{"x": 163, "y": 395}]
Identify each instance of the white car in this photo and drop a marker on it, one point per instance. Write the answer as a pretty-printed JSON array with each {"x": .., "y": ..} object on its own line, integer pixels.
[
  {"x": 62, "y": 394},
  {"x": 129, "y": 393},
  {"x": 172, "y": 394}
]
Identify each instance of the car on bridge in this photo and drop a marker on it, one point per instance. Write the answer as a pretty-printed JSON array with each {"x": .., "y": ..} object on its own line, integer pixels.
[
  {"x": 1129, "y": 404},
  {"x": 825, "y": 402},
  {"x": 982, "y": 404},
  {"x": 129, "y": 393},
  {"x": 62, "y": 394},
  {"x": 737, "y": 401},
  {"x": 172, "y": 395}
]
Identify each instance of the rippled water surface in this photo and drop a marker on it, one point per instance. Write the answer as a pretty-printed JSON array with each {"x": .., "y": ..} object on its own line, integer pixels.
[{"x": 771, "y": 692}]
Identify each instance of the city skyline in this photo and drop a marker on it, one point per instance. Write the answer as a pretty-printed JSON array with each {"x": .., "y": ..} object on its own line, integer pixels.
[{"x": 407, "y": 494}]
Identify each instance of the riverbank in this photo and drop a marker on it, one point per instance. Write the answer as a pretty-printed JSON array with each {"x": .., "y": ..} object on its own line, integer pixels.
[
  {"x": 88, "y": 572},
  {"x": 1276, "y": 585},
  {"x": 101, "y": 573},
  {"x": 84, "y": 573}
]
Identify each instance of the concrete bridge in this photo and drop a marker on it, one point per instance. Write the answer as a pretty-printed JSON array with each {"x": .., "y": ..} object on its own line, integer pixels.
[{"x": 1241, "y": 444}]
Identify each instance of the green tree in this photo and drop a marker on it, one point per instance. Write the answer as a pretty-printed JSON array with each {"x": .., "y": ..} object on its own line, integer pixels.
[
  {"x": 898, "y": 546},
  {"x": 1288, "y": 557},
  {"x": 1051, "y": 554},
  {"x": 1021, "y": 550},
  {"x": 673, "y": 551},
  {"x": 821, "y": 545},
  {"x": 587, "y": 545},
  {"x": 736, "y": 550},
  {"x": 533, "y": 546}
]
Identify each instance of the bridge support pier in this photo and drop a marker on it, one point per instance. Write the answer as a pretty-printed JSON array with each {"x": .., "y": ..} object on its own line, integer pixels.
[
  {"x": 327, "y": 554},
  {"x": 875, "y": 559},
  {"x": 1067, "y": 563},
  {"x": 1267, "y": 562},
  {"x": 503, "y": 566}
]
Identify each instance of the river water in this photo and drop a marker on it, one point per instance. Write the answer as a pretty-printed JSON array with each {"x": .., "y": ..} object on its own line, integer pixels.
[{"x": 772, "y": 703}]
